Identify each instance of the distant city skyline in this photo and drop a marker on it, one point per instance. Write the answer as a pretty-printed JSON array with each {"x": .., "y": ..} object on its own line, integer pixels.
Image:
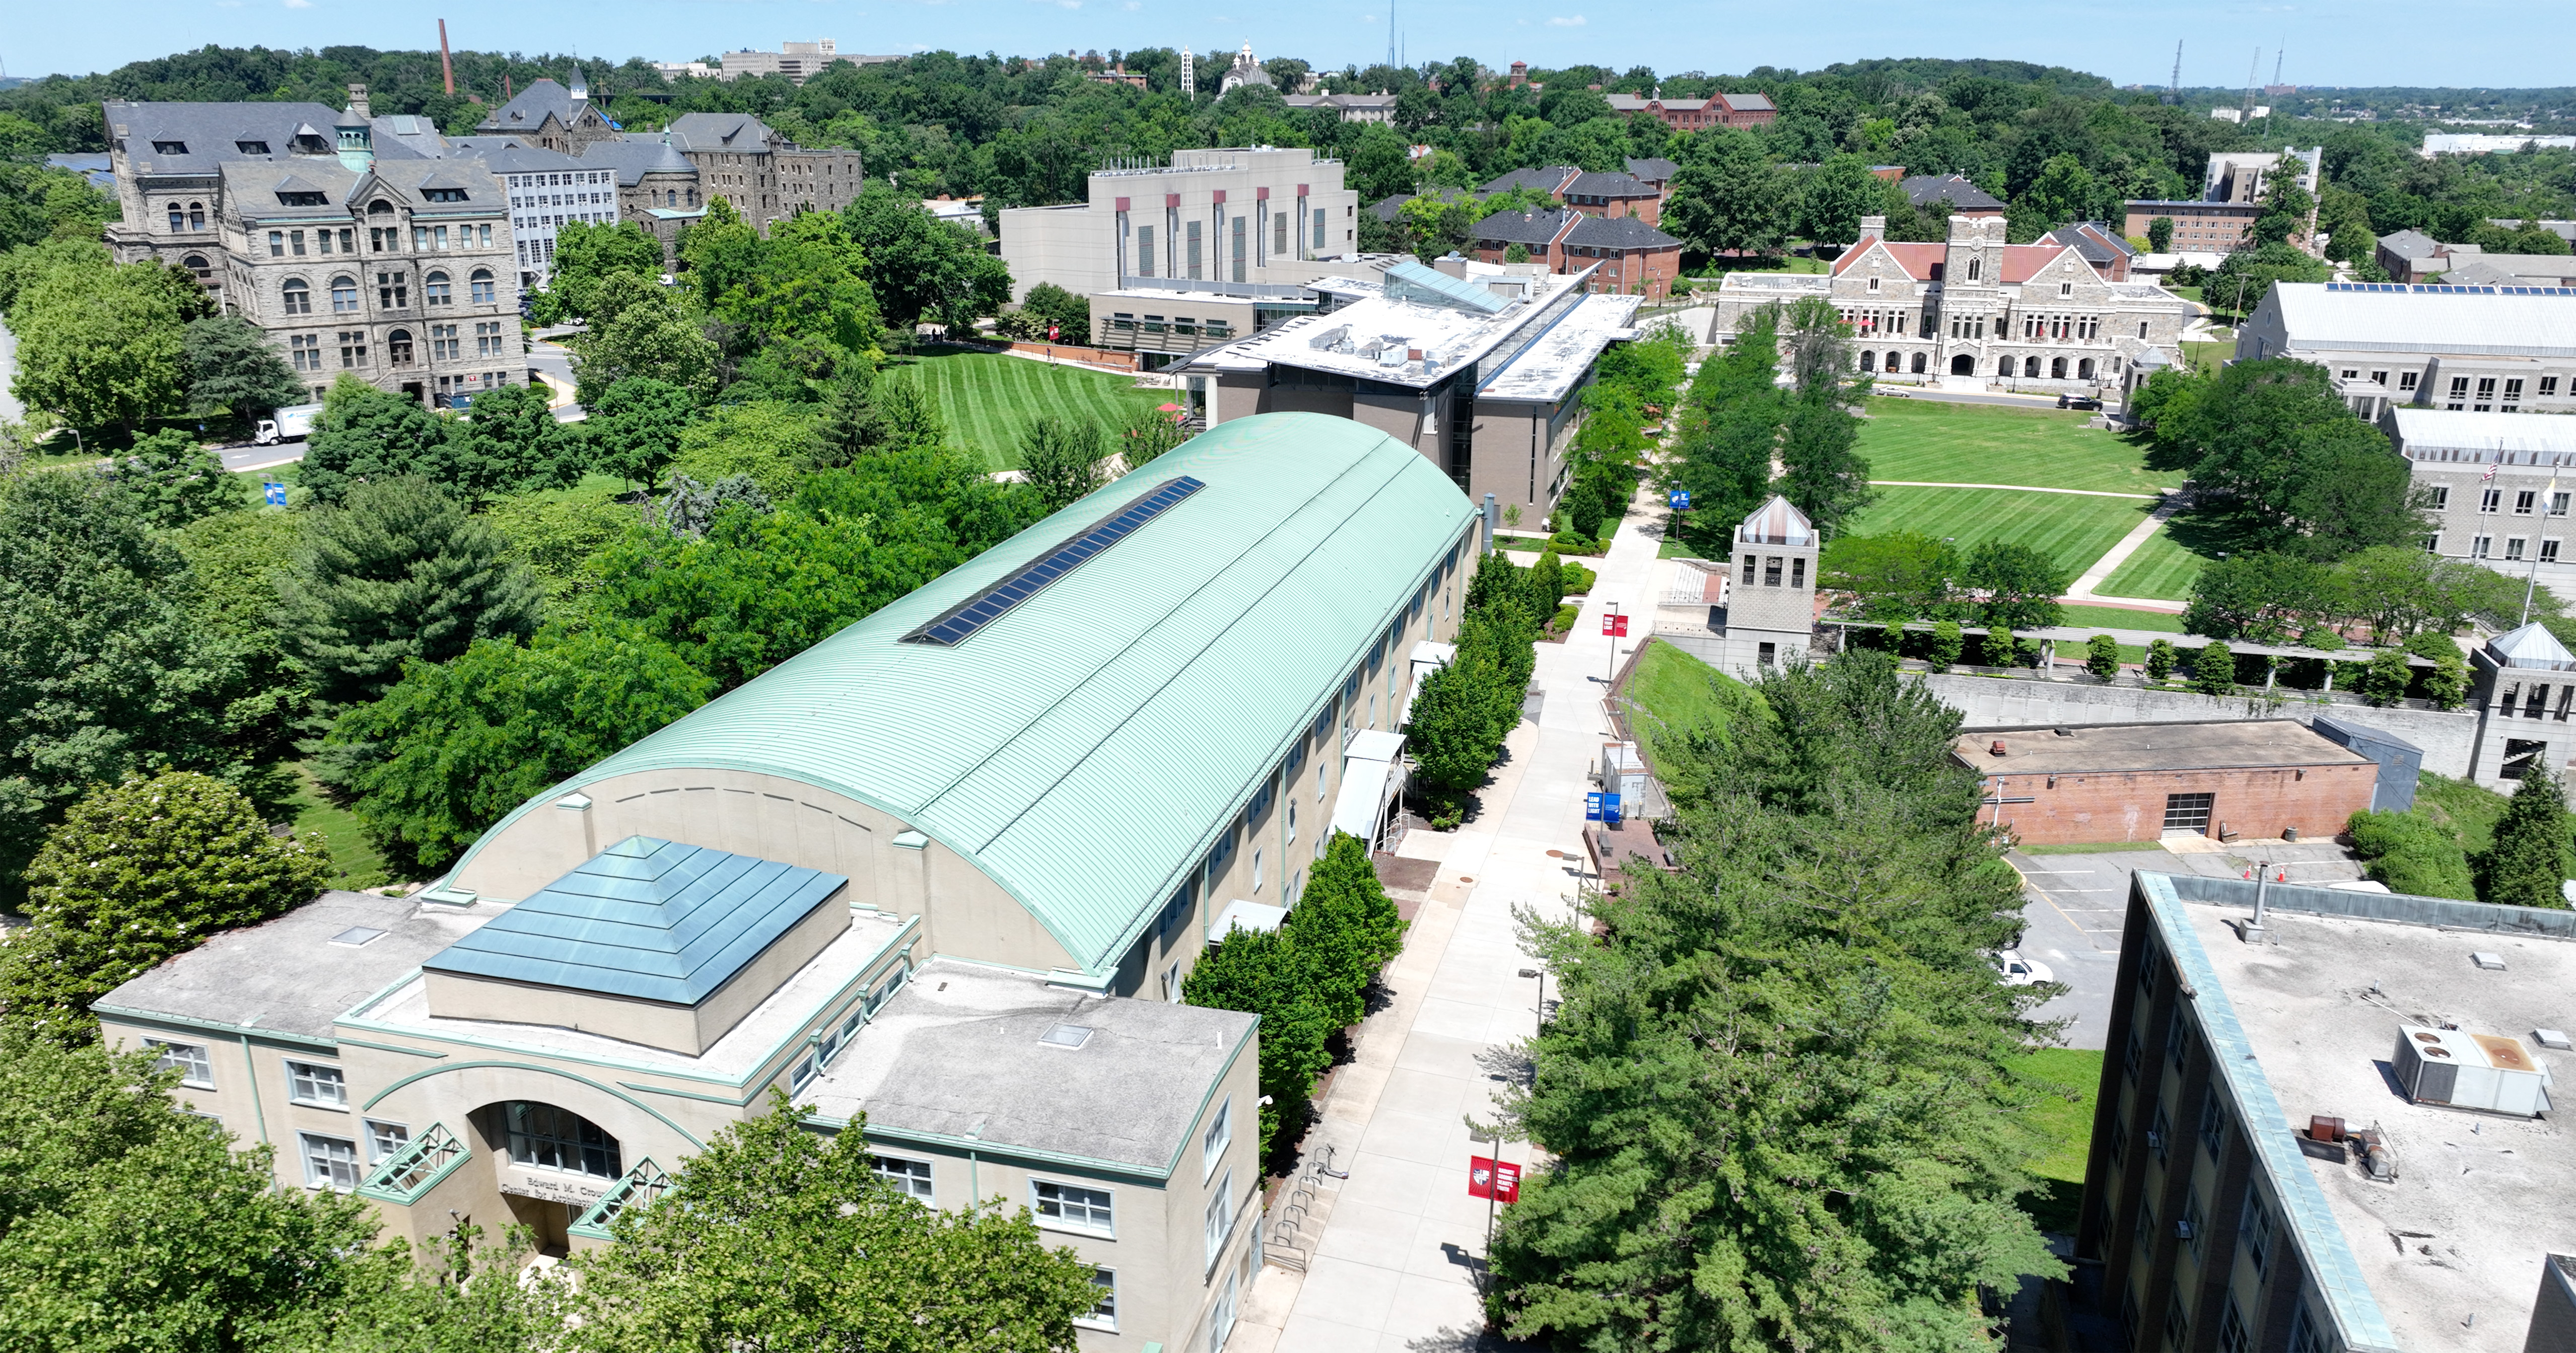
[{"x": 76, "y": 40}]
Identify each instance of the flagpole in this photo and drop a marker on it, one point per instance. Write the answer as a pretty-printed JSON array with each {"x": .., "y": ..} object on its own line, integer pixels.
[{"x": 2533, "y": 583}]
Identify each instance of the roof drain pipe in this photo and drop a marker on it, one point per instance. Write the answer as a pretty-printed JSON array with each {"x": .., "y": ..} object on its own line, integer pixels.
[{"x": 2262, "y": 881}]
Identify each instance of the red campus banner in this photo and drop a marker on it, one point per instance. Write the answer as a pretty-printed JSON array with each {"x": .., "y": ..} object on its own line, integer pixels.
[
  {"x": 1616, "y": 626},
  {"x": 1489, "y": 1178}
]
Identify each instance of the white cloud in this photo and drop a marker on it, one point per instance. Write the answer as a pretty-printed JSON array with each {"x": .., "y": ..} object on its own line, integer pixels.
[
  {"x": 299, "y": 4},
  {"x": 1566, "y": 21},
  {"x": 1133, "y": 5}
]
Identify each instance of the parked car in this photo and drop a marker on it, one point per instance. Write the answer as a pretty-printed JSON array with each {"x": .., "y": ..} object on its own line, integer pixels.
[
  {"x": 2079, "y": 402},
  {"x": 2021, "y": 972}
]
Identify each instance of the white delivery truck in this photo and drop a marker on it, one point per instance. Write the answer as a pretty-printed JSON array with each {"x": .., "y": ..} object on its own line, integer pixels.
[{"x": 291, "y": 424}]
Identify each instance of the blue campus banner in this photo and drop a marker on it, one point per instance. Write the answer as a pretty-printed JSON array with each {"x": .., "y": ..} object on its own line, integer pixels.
[
  {"x": 1592, "y": 807},
  {"x": 276, "y": 494},
  {"x": 1681, "y": 499}
]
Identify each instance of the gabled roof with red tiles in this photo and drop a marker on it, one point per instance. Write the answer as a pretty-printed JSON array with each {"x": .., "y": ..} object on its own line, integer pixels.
[
  {"x": 2022, "y": 262},
  {"x": 1918, "y": 260}
]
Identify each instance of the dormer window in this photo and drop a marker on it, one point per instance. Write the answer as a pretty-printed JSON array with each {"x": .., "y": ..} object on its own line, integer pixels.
[
  {"x": 251, "y": 147},
  {"x": 169, "y": 147},
  {"x": 443, "y": 194},
  {"x": 303, "y": 200}
]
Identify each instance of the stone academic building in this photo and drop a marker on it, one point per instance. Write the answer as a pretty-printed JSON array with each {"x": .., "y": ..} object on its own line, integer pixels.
[{"x": 946, "y": 868}]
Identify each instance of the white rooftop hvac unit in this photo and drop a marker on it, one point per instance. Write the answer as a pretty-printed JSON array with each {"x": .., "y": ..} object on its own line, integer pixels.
[{"x": 2470, "y": 1071}]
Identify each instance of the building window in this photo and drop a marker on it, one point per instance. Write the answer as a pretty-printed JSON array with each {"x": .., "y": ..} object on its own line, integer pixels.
[
  {"x": 2187, "y": 812},
  {"x": 548, "y": 1138},
  {"x": 2441, "y": 498},
  {"x": 2548, "y": 387},
  {"x": 1071, "y": 1207},
  {"x": 436, "y": 290},
  {"x": 2232, "y": 1337},
  {"x": 2188, "y": 1226},
  {"x": 1194, "y": 263},
  {"x": 1219, "y": 1134},
  {"x": 398, "y": 347},
  {"x": 444, "y": 346},
  {"x": 298, "y": 296},
  {"x": 487, "y": 340},
  {"x": 314, "y": 1083},
  {"x": 2524, "y": 501},
  {"x": 2478, "y": 546},
  {"x": 2490, "y": 501},
  {"x": 1220, "y": 1216},
  {"x": 911, "y": 1178},
  {"x": 1103, "y": 1314},
  {"x": 330, "y": 1162},
  {"x": 2432, "y": 544},
  {"x": 305, "y": 350},
  {"x": 276, "y": 238},
  {"x": 2177, "y": 1323},
  {"x": 2513, "y": 548},
  {"x": 353, "y": 348},
  {"x": 2256, "y": 1228},
  {"x": 384, "y": 1139},
  {"x": 344, "y": 295},
  {"x": 2549, "y": 551},
  {"x": 393, "y": 290},
  {"x": 483, "y": 291},
  {"x": 2213, "y": 1125},
  {"x": 2406, "y": 379},
  {"x": 188, "y": 1059}
]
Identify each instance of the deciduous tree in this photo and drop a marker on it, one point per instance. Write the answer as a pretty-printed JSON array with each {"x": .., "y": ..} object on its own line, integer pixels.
[
  {"x": 173, "y": 481},
  {"x": 231, "y": 366}
]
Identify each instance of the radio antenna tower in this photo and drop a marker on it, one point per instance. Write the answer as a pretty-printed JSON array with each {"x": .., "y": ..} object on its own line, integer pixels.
[
  {"x": 2174, "y": 96},
  {"x": 1390, "y": 34},
  {"x": 2277, "y": 54},
  {"x": 2246, "y": 115}
]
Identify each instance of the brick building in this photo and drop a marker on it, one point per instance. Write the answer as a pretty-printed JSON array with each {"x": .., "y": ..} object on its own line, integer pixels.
[
  {"x": 2260, "y": 778},
  {"x": 1632, "y": 255},
  {"x": 1690, "y": 115},
  {"x": 1604, "y": 194}
]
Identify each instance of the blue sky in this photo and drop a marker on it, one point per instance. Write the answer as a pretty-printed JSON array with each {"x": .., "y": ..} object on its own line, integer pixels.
[{"x": 2347, "y": 45}]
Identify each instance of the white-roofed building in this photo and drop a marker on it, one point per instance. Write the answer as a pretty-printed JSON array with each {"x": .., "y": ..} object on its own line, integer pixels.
[
  {"x": 2501, "y": 485},
  {"x": 2458, "y": 349}
]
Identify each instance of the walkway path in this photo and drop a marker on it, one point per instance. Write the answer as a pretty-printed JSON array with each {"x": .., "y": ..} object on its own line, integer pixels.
[
  {"x": 2119, "y": 554},
  {"x": 1400, "y": 1242},
  {"x": 2016, "y": 488},
  {"x": 10, "y": 409}
]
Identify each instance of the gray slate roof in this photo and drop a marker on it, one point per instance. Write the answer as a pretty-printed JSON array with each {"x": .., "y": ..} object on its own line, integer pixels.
[
  {"x": 1537, "y": 228},
  {"x": 633, "y": 159},
  {"x": 2099, "y": 246},
  {"x": 253, "y": 185},
  {"x": 1925, "y": 189},
  {"x": 1391, "y": 208},
  {"x": 1608, "y": 185},
  {"x": 532, "y": 106},
  {"x": 739, "y": 132},
  {"x": 1545, "y": 180},
  {"x": 1750, "y": 103},
  {"x": 287, "y": 975},
  {"x": 2410, "y": 244},
  {"x": 212, "y": 132},
  {"x": 508, "y": 155},
  {"x": 1653, "y": 170}
]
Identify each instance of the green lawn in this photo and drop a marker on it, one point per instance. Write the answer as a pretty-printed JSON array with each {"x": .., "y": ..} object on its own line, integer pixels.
[
  {"x": 2458, "y": 803},
  {"x": 2066, "y": 1079},
  {"x": 354, "y": 863},
  {"x": 2209, "y": 355},
  {"x": 2075, "y": 530},
  {"x": 2120, "y": 618},
  {"x": 986, "y": 397},
  {"x": 2167, "y": 564},
  {"x": 1937, "y": 443},
  {"x": 1678, "y": 692}
]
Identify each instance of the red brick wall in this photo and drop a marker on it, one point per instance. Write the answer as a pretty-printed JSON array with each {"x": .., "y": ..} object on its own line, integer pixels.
[{"x": 2131, "y": 806}]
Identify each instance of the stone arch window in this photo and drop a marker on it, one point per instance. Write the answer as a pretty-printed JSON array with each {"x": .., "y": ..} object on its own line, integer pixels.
[
  {"x": 178, "y": 219},
  {"x": 1895, "y": 362},
  {"x": 380, "y": 207},
  {"x": 2084, "y": 369},
  {"x": 1919, "y": 361},
  {"x": 298, "y": 296},
  {"x": 437, "y": 290},
  {"x": 196, "y": 263},
  {"x": 398, "y": 347},
  {"x": 2029, "y": 366},
  {"x": 2004, "y": 367},
  {"x": 544, "y": 1137},
  {"x": 196, "y": 216},
  {"x": 1972, "y": 268},
  {"x": 344, "y": 295},
  {"x": 1869, "y": 361},
  {"x": 2057, "y": 368},
  {"x": 482, "y": 292},
  {"x": 1963, "y": 365}
]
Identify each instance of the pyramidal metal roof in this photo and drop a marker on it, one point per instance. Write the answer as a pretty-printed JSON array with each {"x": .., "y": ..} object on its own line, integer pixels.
[
  {"x": 2532, "y": 646},
  {"x": 1085, "y": 748},
  {"x": 649, "y": 919}
]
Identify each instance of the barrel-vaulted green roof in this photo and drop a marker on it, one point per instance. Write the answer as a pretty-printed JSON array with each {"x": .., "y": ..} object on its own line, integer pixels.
[{"x": 1084, "y": 748}]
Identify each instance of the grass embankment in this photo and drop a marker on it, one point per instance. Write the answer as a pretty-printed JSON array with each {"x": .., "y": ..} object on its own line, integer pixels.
[
  {"x": 986, "y": 397},
  {"x": 2066, "y": 1079},
  {"x": 1931, "y": 442},
  {"x": 1676, "y": 693}
]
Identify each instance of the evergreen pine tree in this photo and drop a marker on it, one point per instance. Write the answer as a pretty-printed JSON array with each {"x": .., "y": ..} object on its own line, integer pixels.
[
  {"x": 2530, "y": 857},
  {"x": 399, "y": 573},
  {"x": 231, "y": 366}
]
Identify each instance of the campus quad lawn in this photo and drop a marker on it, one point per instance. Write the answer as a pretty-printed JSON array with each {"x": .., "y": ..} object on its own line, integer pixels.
[
  {"x": 1925, "y": 441},
  {"x": 2119, "y": 618},
  {"x": 2169, "y": 562},
  {"x": 2074, "y": 530},
  {"x": 986, "y": 397}
]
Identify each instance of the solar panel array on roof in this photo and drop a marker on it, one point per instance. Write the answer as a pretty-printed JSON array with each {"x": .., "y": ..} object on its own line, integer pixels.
[
  {"x": 2437, "y": 289},
  {"x": 959, "y": 623},
  {"x": 1410, "y": 281}
]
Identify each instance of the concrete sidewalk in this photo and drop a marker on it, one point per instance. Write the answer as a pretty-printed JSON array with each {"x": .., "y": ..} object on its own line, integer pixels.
[{"x": 1398, "y": 1246}]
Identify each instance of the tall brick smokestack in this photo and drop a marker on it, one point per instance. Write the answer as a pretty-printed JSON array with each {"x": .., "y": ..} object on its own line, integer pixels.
[{"x": 446, "y": 67}]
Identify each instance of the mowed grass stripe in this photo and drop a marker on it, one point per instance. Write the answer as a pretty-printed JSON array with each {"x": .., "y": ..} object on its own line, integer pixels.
[
  {"x": 986, "y": 398},
  {"x": 2074, "y": 531},
  {"x": 1993, "y": 444},
  {"x": 2162, "y": 569}
]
